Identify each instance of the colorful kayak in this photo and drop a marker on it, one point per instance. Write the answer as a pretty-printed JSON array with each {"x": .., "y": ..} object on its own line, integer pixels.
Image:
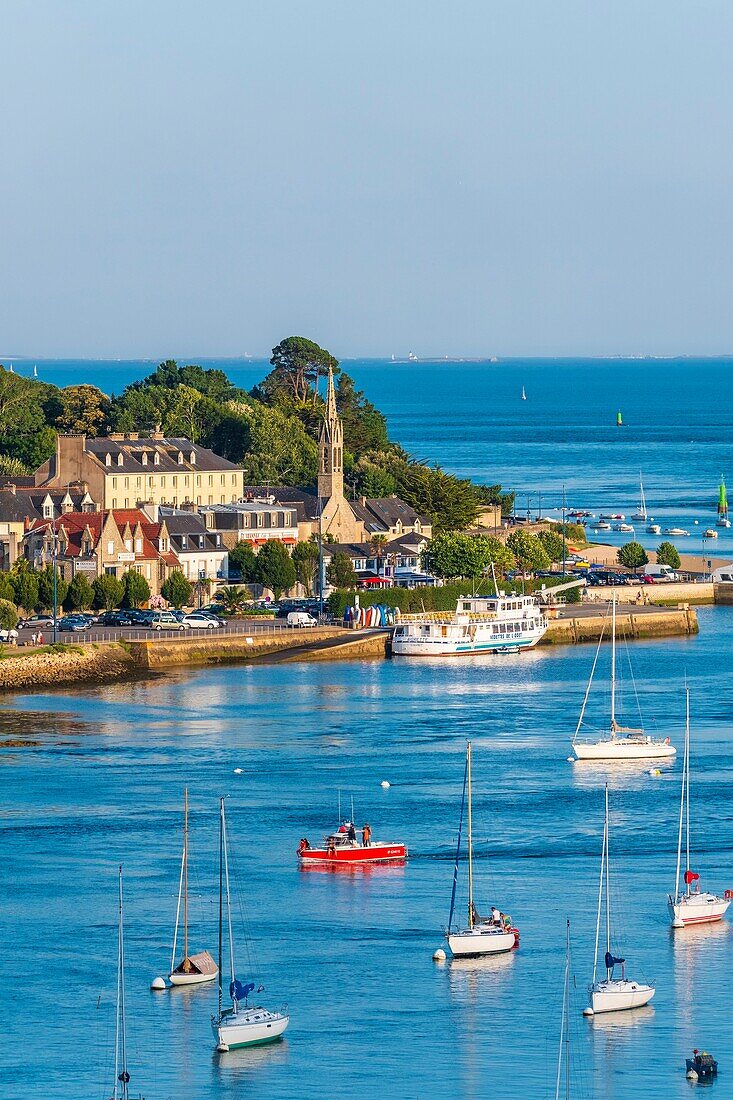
[{"x": 343, "y": 847}]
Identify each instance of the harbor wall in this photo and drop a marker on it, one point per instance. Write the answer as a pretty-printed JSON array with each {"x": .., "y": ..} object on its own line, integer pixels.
[{"x": 659, "y": 623}]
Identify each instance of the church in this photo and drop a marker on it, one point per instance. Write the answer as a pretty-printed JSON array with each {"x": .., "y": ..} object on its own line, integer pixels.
[{"x": 341, "y": 520}]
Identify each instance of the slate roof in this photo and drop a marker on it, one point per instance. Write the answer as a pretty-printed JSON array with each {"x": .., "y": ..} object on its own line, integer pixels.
[{"x": 167, "y": 450}]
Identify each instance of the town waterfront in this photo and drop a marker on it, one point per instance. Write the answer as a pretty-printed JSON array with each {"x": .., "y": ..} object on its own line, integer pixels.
[{"x": 97, "y": 778}]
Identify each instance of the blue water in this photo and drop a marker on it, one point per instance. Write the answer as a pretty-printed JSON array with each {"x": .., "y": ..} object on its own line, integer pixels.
[
  {"x": 95, "y": 776},
  {"x": 469, "y": 417}
]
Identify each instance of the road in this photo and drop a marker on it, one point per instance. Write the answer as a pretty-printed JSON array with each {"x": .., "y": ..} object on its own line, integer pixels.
[{"x": 140, "y": 634}]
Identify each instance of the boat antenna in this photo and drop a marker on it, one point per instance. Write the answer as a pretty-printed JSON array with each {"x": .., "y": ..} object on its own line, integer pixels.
[{"x": 352, "y": 810}]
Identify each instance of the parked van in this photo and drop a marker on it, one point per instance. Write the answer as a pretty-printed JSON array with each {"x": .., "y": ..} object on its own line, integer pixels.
[
  {"x": 301, "y": 618},
  {"x": 661, "y": 573}
]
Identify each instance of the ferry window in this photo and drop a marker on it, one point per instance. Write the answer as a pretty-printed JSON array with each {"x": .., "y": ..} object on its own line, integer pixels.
[{"x": 466, "y": 606}]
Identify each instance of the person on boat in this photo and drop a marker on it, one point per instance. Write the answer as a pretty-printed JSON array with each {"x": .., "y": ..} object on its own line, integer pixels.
[
  {"x": 331, "y": 845},
  {"x": 496, "y": 917},
  {"x": 352, "y": 832},
  {"x": 304, "y": 844},
  {"x": 366, "y": 834}
]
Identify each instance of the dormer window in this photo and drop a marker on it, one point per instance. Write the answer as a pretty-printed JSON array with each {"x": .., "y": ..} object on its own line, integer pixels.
[
  {"x": 144, "y": 458},
  {"x": 128, "y": 545},
  {"x": 201, "y": 542},
  {"x": 120, "y": 459},
  {"x": 192, "y": 458},
  {"x": 218, "y": 540},
  {"x": 156, "y": 459},
  {"x": 184, "y": 542},
  {"x": 108, "y": 459},
  {"x": 138, "y": 546},
  {"x": 180, "y": 458},
  {"x": 48, "y": 511}
]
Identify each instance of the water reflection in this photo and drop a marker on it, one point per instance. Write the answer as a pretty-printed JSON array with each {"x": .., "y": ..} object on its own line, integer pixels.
[{"x": 609, "y": 1024}]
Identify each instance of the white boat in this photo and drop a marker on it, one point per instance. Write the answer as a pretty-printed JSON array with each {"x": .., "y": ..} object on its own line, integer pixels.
[
  {"x": 603, "y": 525},
  {"x": 622, "y": 743},
  {"x": 241, "y": 1025},
  {"x": 654, "y": 529},
  {"x": 192, "y": 969},
  {"x": 722, "y": 520},
  {"x": 710, "y": 533},
  {"x": 480, "y": 624},
  {"x": 624, "y": 527},
  {"x": 678, "y": 531},
  {"x": 121, "y": 1090},
  {"x": 484, "y": 935},
  {"x": 691, "y": 905},
  {"x": 640, "y": 514},
  {"x": 611, "y": 515},
  {"x": 612, "y": 994}
]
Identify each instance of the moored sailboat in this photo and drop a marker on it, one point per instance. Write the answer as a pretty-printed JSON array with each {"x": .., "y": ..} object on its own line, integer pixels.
[
  {"x": 484, "y": 935},
  {"x": 612, "y": 994},
  {"x": 121, "y": 1090},
  {"x": 622, "y": 743},
  {"x": 691, "y": 905},
  {"x": 640, "y": 514},
  {"x": 241, "y": 1025},
  {"x": 192, "y": 969}
]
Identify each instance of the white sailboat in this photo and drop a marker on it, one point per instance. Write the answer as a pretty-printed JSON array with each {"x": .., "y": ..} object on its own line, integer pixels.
[
  {"x": 623, "y": 743},
  {"x": 611, "y": 994},
  {"x": 484, "y": 935},
  {"x": 121, "y": 1090},
  {"x": 524, "y": 395},
  {"x": 192, "y": 969},
  {"x": 640, "y": 514},
  {"x": 691, "y": 905},
  {"x": 241, "y": 1025}
]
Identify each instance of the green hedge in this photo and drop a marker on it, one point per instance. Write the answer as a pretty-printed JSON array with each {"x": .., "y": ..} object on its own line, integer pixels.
[{"x": 407, "y": 599}]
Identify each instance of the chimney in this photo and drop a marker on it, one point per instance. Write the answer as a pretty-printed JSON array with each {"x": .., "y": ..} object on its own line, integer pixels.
[
  {"x": 362, "y": 501},
  {"x": 151, "y": 510},
  {"x": 70, "y": 451},
  {"x": 11, "y": 487}
]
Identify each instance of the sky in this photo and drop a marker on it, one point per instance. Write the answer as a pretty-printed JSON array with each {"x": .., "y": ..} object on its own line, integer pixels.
[{"x": 468, "y": 178}]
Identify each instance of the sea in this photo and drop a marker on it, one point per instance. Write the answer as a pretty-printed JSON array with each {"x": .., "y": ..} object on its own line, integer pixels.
[{"x": 94, "y": 779}]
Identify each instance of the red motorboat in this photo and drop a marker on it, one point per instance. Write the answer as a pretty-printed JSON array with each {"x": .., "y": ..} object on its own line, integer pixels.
[{"x": 344, "y": 847}]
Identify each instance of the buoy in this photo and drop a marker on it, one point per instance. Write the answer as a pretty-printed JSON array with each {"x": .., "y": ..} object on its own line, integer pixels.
[
  {"x": 157, "y": 983},
  {"x": 571, "y": 760},
  {"x": 655, "y": 771},
  {"x": 691, "y": 1075},
  {"x": 222, "y": 1048},
  {"x": 238, "y": 771},
  {"x": 385, "y": 783},
  {"x": 439, "y": 955},
  {"x": 588, "y": 1011}
]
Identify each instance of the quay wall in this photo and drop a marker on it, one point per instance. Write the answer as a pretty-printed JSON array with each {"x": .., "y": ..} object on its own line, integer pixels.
[{"x": 662, "y": 623}]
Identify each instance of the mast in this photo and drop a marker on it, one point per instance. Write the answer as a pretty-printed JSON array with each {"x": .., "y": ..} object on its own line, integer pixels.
[
  {"x": 682, "y": 800},
  {"x": 608, "y": 889},
  {"x": 686, "y": 774},
  {"x": 564, "y": 1047},
  {"x": 229, "y": 899},
  {"x": 613, "y": 666},
  {"x": 642, "y": 501},
  {"x": 600, "y": 897},
  {"x": 470, "y": 839},
  {"x": 122, "y": 1077},
  {"x": 458, "y": 849},
  {"x": 186, "y": 965},
  {"x": 221, "y": 895}
]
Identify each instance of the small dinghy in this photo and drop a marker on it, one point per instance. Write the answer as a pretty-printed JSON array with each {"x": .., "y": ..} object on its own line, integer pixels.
[
  {"x": 702, "y": 1066},
  {"x": 612, "y": 994}
]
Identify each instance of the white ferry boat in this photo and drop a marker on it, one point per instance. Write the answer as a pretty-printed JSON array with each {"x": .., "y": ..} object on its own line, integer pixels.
[{"x": 480, "y": 624}]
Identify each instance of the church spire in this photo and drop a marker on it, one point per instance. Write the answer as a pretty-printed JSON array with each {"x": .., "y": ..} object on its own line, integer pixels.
[
  {"x": 331, "y": 412},
  {"x": 331, "y": 448}
]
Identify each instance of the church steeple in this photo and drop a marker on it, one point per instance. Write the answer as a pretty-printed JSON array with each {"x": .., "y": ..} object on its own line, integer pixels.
[{"x": 331, "y": 449}]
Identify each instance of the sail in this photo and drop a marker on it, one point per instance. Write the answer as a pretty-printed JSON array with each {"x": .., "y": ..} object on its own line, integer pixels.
[{"x": 722, "y": 500}]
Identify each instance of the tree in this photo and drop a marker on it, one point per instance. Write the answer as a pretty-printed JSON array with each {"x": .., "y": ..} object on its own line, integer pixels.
[
  {"x": 371, "y": 479},
  {"x": 365, "y": 427},
  {"x": 632, "y": 555},
  {"x": 45, "y": 587},
  {"x": 25, "y": 586},
  {"x": 298, "y": 364},
  {"x": 8, "y": 615},
  {"x": 274, "y": 568},
  {"x": 340, "y": 572},
  {"x": 242, "y": 557},
  {"x": 177, "y": 589},
  {"x": 529, "y": 552},
  {"x": 136, "y": 589},
  {"x": 108, "y": 592},
  {"x": 451, "y": 503},
  {"x": 84, "y": 410},
  {"x": 305, "y": 559},
  {"x": 80, "y": 594},
  {"x": 13, "y": 467},
  {"x": 667, "y": 554},
  {"x": 233, "y": 597},
  {"x": 454, "y": 554},
  {"x": 553, "y": 544},
  {"x": 6, "y": 589}
]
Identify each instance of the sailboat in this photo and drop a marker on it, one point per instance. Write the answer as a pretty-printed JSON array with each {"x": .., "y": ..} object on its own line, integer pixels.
[
  {"x": 691, "y": 905},
  {"x": 241, "y": 1025},
  {"x": 121, "y": 1090},
  {"x": 484, "y": 935},
  {"x": 612, "y": 994},
  {"x": 524, "y": 395},
  {"x": 722, "y": 520},
  {"x": 192, "y": 969},
  {"x": 623, "y": 743},
  {"x": 35, "y": 371},
  {"x": 640, "y": 514}
]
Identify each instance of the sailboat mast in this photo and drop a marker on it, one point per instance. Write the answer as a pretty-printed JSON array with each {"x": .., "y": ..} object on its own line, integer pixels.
[
  {"x": 564, "y": 1048},
  {"x": 221, "y": 896},
  {"x": 687, "y": 786},
  {"x": 600, "y": 898},
  {"x": 682, "y": 806},
  {"x": 608, "y": 887},
  {"x": 185, "y": 876},
  {"x": 232, "y": 966},
  {"x": 470, "y": 840},
  {"x": 121, "y": 1030},
  {"x": 613, "y": 665}
]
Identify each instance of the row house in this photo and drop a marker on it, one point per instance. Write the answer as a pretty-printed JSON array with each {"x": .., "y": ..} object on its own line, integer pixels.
[
  {"x": 255, "y": 521},
  {"x": 397, "y": 562},
  {"x": 202, "y": 553},
  {"x": 20, "y": 507}
]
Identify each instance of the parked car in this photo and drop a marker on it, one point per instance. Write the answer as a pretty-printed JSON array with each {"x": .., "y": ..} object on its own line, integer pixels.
[
  {"x": 199, "y": 621},
  {"x": 115, "y": 618},
  {"x": 301, "y": 618},
  {"x": 35, "y": 622},
  {"x": 165, "y": 620},
  {"x": 73, "y": 623}
]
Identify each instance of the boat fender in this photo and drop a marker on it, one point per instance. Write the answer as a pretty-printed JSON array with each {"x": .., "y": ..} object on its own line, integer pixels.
[{"x": 728, "y": 895}]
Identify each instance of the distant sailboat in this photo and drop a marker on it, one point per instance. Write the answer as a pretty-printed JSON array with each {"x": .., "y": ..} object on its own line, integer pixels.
[
  {"x": 11, "y": 369},
  {"x": 640, "y": 514},
  {"x": 192, "y": 969},
  {"x": 35, "y": 372},
  {"x": 524, "y": 395},
  {"x": 722, "y": 520},
  {"x": 121, "y": 1089},
  {"x": 692, "y": 905},
  {"x": 412, "y": 358}
]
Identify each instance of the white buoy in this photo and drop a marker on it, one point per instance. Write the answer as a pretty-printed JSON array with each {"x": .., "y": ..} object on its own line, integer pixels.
[
  {"x": 588, "y": 1011},
  {"x": 238, "y": 771},
  {"x": 439, "y": 955},
  {"x": 691, "y": 1075},
  {"x": 385, "y": 783},
  {"x": 157, "y": 983},
  {"x": 571, "y": 760}
]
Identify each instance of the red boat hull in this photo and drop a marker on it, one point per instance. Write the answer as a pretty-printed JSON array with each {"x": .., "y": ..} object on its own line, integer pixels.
[{"x": 375, "y": 853}]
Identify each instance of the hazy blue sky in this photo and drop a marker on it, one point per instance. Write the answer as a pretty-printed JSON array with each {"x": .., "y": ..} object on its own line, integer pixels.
[{"x": 470, "y": 177}]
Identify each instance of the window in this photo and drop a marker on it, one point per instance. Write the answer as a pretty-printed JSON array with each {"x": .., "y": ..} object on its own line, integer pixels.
[
  {"x": 150, "y": 482},
  {"x": 128, "y": 545},
  {"x": 156, "y": 459},
  {"x": 114, "y": 482},
  {"x": 234, "y": 479},
  {"x": 174, "y": 480},
  {"x": 218, "y": 540},
  {"x": 144, "y": 458},
  {"x": 163, "y": 545},
  {"x": 138, "y": 546},
  {"x": 201, "y": 542},
  {"x": 211, "y": 479},
  {"x": 185, "y": 481},
  {"x": 192, "y": 458},
  {"x": 108, "y": 459},
  {"x": 127, "y": 502},
  {"x": 162, "y": 483},
  {"x": 211, "y": 499},
  {"x": 180, "y": 458},
  {"x": 184, "y": 542},
  {"x": 198, "y": 480},
  {"x": 114, "y": 502},
  {"x": 138, "y": 482},
  {"x": 120, "y": 460},
  {"x": 198, "y": 500},
  {"x": 110, "y": 547},
  {"x": 127, "y": 483}
]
